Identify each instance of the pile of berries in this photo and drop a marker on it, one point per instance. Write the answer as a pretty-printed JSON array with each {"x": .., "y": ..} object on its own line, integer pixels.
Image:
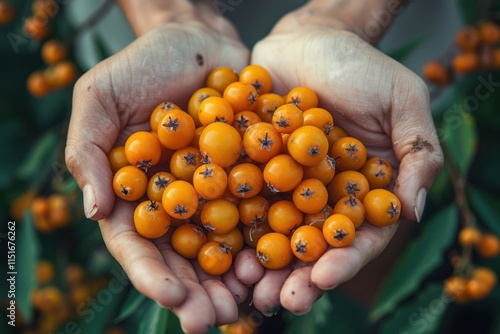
[
  {"x": 478, "y": 49},
  {"x": 244, "y": 165}
]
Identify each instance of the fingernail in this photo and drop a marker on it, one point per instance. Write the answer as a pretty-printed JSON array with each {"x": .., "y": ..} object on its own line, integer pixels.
[
  {"x": 89, "y": 205},
  {"x": 420, "y": 204}
]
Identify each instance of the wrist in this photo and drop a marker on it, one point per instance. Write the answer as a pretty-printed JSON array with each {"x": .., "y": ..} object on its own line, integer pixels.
[{"x": 367, "y": 19}]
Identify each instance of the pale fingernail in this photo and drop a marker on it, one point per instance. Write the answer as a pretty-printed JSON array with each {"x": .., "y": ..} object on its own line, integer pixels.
[
  {"x": 420, "y": 204},
  {"x": 89, "y": 203}
]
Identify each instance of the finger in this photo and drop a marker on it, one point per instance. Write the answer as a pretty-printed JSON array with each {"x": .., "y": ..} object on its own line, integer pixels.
[
  {"x": 140, "y": 258},
  {"x": 339, "y": 265},
  {"x": 237, "y": 288},
  {"x": 224, "y": 304},
  {"x": 299, "y": 293},
  {"x": 247, "y": 267},
  {"x": 92, "y": 132},
  {"x": 416, "y": 145},
  {"x": 266, "y": 293}
]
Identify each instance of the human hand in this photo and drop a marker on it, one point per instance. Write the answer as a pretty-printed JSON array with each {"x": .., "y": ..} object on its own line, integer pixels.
[
  {"x": 376, "y": 100},
  {"x": 115, "y": 99}
]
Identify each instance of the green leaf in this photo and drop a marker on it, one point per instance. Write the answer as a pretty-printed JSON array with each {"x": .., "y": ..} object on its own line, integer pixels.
[
  {"x": 422, "y": 256},
  {"x": 27, "y": 253},
  {"x": 421, "y": 314},
  {"x": 461, "y": 142},
  {"x": 39, "y": 156},
  {"x": 312, "y": 321},
  {"x": 399, "y": 54},
  {"x": 130, "y": 305},
  {"x": 486, "y": 207},
  {"x": 155, "y": 319},
  {"x": 469, "y": 10}
]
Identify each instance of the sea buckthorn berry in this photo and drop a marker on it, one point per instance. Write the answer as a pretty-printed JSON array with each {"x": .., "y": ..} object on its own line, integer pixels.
[
  {"x": 59, "y": 211},
  {"x": 7, "y": 13},
  {"x": 220, "y": 77},
  {"x": 196, "y": 99},
  {"x": 489, "y": 33},
  {"x": 349, "y": 153},
  {"x": 351, "y": 207},
  {"x": 53, "y": 51},
  {"x": 253, "y": 233},
  {"x": 308, "y": 243},
  {"x": 243, "y": 119},
  {"x": 215, "y": 109},
  {"x": 310, "y": 196},
  {"x": 267, "y": 104},
  {"x": 287, "y": 118},
  {"x": 176, "y": 129},
  {"x": 245, "y": 180},
  {"x": 339, "y": 230},
  {"x": 130, "y": 183},
  {"x": 261, "y": 142},
  {"x": 324, "y": 171},
  {"x": 180, "y": 199},
  {"x": 44, "y": 272},
  {"x": 464, "y": 63},
  {"x": 36, "y": 27},
  {"x": 117, "y": 158},
  {"x": 436, "y": 72},
  {"x": 157, "y": 184},
  {"x": 378, "y": 172},
  {"x": 308, "y": 145},
  {"x": 347, "y": 183},
  {"x": 184, "y": 163},
  {"x": 233, "y": 238},
  {"x": 455, "y": 287},
  {"x": 273, "y": 251},
  {"x": 74, "y": 274},
  {"x": 241, "y": 96},
  {"x": 219, "y": 216},
  {"x": 488, "y": 246},
  {"x": 284, "y": 217},
  {"x": 61, "y": 74},
  {"x": 382, "y": 207},
  {"x": 320, "y": 118},
  {"x": 469, "y": 236},
  {"x": 481, "y": 283},
  {"x": 40, "y": 207},
  {"x": 282, "y": 173},
  {"x": 150, "y": 219},
  {"x": 143, "y": 150},
  {"x": 37, "y": 84},
  {"x": 215, "y": 258},
  {"x": 467, "y": 38},
  {"x": 258, "y": 77},
  {"x": 188, "y": 239},
  {"x": 303, "y": 97},
  {"x": 335, "y": 134},
  {"x": 318, "y": 219},
  {"x": 253, "y": 211},
  {"x": 220, "y": 144},
  {"x": 196, "y": 139},
  {"x": 210, "y": 181},
  {"x": 159, "y": 113}
]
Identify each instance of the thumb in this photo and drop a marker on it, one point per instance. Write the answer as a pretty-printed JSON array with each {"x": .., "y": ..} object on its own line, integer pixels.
[
  {"x": 416, "y": 146},
  {"x": 92, "y": 132}
]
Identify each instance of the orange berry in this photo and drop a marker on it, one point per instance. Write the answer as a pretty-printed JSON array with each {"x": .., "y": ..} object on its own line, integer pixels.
[
  {"x": 490, "y": 33},
  {"x": 455, "y": 287},
  {"x": 469, "y": 236},
  {"x": 467, "y": 38},
  {"x": 53, "y": 51},
  {"x": 488, "y": 246},
  {"x": 37, "y": 26},
  {"x": 37, "y": 84},
  {"x": 464, "y": 63},
  {"x": 7, "y": 12}
]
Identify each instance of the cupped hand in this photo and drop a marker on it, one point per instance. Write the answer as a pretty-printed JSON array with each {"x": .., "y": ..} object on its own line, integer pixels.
[
  {"x": 115, "y": 99},
  {"x": 376, "y": 100}
]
